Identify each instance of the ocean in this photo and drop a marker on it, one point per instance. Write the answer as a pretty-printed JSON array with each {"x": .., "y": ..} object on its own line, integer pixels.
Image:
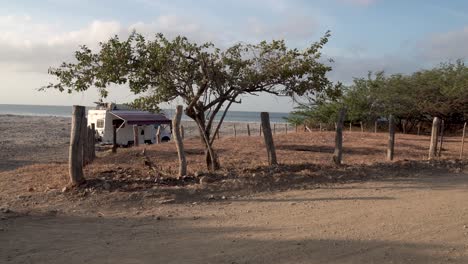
[{"x": 65, "y": 111}]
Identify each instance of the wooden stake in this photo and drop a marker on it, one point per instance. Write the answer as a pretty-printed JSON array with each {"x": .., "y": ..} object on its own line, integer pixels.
[
  {"x": 75, "y": 156},
  {"x": 441, "y": 140},
  {"x": 375, "y": 127},
  {"x": 248, "y": 130},
  {"x": 84, "y": 141},
  {"x": 270, "y": 146},
  {"x": 235, "y": 131},
  {"x": 274, "y": 128},
  {"x": 93, "y": 129},
  {"x": 338, "y": 154},
  {"x": 295, "y": 127},
  {"x": 419, "y": 129},
  {"x": 158, "y": 135},
  {"x": 136, "y": 141},
  {"x": 350, "y": 126},
  {"x": 286, "y": 128},
  {"x": 463, "y": 141},
  {"x": 362, "y": 127},
  {"x": 391, "y": 138},
  {"x": 179, "y": 142},
  {"x": 320, "y": 127},
  {"x": 434, "y": 138},
  {"x": 114, "y": 139}
]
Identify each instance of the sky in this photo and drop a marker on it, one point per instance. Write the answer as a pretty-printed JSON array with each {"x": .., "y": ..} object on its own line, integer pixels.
[{"x": 397, "y": 36}]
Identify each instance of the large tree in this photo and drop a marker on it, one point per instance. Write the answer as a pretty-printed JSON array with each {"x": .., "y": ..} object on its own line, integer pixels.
[{"x": 206, "y": 78}]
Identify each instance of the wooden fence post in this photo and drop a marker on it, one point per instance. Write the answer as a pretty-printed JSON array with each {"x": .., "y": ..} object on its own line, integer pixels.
[
  {"x": 295, "y": 127},
  {"x": 434, "y": 138},
  {"x": 362, "y": 127},
  {"x": 463, "y": 141},
  {"x": 84, "y": 141},
  {"x": 350, "y": 126},
  {"x": 158, "y": 135},
  {"x": 270, "y": 146},
  {"x": 286, "y": 128},
  {"x": 75, "y": 154},
  {"x": 248, "y": 130},
  {"x": 235, "y": 131},
  {"x": 375, "y": 127},
  {"x": 274, "y": 128},
  {"x": 90, "y": 149},
  {"x": 391, "y": 138},
  {"x": 320, "y": 127},
  {"x": 338, "y": 154},
  {"x": 93, "y": 147},
  {"x": 178, "y": 141},
  {"x": 441, "y": 140},
  {"x": 114, "y": 138},
  {"x": 419, "y": 128},
  {"x": 136, "y": 141}
]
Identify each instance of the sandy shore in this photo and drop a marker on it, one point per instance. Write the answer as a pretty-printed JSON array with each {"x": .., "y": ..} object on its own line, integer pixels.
[{"x": 28, "y": 140}]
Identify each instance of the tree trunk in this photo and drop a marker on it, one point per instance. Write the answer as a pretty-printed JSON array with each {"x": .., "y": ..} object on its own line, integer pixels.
[
  {"x": 391, "y": 138},
  {"x": 434, "y": 138},
  {"x": 75, "y": 164},
  {"x": 158, "y": 135},
  {"x": 182, "y": 132},
  {"x": 179, "y": 142},
  {"x": 462, "y": 141},
  {"x": 338, "y": 154},
  {"x": 270, "y": 146}
]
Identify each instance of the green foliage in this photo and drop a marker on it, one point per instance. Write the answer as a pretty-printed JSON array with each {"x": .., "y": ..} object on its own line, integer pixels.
[
  {"x": 441, "y": 91},
  {"x": 201, "y": 75}
]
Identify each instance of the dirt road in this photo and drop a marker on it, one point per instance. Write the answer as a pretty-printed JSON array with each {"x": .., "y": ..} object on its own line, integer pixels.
[{"x": 420, "y": 219}]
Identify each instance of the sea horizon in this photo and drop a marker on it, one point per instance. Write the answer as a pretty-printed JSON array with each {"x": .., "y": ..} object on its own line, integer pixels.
[{"x": 65, "y": 111}]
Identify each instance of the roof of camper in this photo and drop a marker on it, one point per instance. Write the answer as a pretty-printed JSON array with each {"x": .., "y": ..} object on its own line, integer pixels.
[{"x": 140, "y": 117}]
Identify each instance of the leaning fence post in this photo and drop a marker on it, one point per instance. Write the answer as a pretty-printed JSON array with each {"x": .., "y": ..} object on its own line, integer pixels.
[
  {"x": 434, "y": 137},
  {"x": 136, "y": 140},
  {"x": 270, "y": 146},
  {"x": 75, "y": 154},
  {"x": 179, "y": 142},
  {"x": 338, "y": 154},
  {"x": 248, "y": 130},
  {"x": 391, "y": 138},
  {"x": 463, "y": 141}
]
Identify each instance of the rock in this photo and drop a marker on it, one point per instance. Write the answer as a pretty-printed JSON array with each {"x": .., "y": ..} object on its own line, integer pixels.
[
  {"x": 211, "y": 197},
  {"x": 106, "y": 186},
  {"x": 167, "y": 201},
  {"x": 65, "y": 189},
  {"x": 223, "y": 197},
  {"x": 204, "y": 180}
]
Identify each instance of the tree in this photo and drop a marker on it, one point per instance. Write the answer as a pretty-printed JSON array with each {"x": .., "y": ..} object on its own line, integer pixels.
[{"x": 207, "y": 79}]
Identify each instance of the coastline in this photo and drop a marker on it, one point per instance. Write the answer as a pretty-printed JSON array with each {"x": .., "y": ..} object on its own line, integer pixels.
[{"x": 26, "y": 140}]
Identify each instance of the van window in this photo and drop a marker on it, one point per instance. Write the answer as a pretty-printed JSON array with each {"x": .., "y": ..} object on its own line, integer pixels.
[{"x": 100, "y": 123}]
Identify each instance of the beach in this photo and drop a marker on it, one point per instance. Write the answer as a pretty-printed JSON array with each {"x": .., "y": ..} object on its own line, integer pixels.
[{"x": 26, "y": 140}]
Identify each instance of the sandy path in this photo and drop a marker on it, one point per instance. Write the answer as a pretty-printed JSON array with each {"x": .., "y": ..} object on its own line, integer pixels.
[{"x": 413, "y": 220}]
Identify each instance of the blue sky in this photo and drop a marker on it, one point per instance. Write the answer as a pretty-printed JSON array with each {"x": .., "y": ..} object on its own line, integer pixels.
[{"x": 367, "y": 35}]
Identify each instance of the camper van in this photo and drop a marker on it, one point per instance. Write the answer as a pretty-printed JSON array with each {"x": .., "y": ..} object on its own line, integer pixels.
[{"x": 106, "y": 116}]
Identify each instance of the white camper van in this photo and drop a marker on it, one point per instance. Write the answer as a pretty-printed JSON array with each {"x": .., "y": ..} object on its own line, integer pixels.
[{"x": 105, "y": 116}]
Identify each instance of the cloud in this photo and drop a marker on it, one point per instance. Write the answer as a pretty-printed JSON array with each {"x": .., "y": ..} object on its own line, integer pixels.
[
  {"x": 293, "y": 28},
  {"x": 359, "y": 2},
  {"x": 445, "y": 46}
]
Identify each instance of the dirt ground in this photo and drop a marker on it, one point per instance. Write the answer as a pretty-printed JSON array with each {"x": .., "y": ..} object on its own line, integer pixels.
[{"x": 305, "y": 210}]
